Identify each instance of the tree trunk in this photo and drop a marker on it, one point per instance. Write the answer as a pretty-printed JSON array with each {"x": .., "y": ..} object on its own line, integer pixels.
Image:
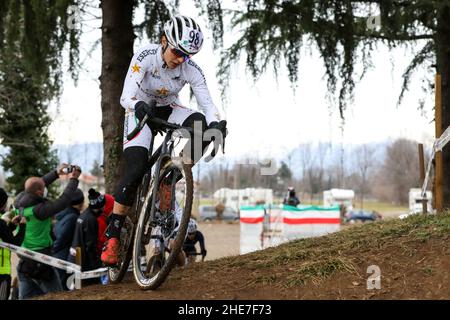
[
  {"x": 443, "y": 68},
  {"x": 117, "y": 51}
]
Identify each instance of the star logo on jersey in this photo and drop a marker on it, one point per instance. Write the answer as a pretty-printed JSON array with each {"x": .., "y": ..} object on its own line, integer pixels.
[
  {"x": 136, "y": 68},
  {"x": 162, "y": 92}
]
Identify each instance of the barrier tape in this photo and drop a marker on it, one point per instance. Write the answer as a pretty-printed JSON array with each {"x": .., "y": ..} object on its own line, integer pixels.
[
  {"x": 438, "y": 145},
  {"x": 52, "y": 261},
  {"x": 58, "y": 263},
  {"x": 443, "y": 140},
  {"x": 94, "y": 273}
]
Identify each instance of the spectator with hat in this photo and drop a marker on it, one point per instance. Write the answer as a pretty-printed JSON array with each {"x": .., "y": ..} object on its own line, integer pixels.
[
  {"x": 64, "y": 230},
  {"x": 86, "y": 232}
]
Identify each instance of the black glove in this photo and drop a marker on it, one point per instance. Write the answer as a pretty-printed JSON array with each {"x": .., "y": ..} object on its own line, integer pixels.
[
  {"x": 141, "y": 109},
  {"x": 222, "y": 126},
  {"x": 203, "y": 253}
]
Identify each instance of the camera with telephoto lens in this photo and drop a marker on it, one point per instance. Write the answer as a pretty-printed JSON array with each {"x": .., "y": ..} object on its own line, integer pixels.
[{"x": 68, "y": 169}]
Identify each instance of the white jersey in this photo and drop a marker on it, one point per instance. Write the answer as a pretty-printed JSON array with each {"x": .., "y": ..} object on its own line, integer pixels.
[{"x": 148, "y": 79}]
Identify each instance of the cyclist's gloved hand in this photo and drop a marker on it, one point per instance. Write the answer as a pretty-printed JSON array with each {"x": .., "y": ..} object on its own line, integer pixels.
[
  {"x": 203, "y": 253},
  {"x": 222, "y": 127},
  {"x": 141, "y": 109}
]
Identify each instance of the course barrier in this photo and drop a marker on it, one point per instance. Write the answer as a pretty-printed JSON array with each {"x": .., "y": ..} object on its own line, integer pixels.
[
  {"x": 251, "y": 228},
  {"x": 265, "y": 226},
  {"x": 438, "y": 145},
  {"x": 74, "y": 281}
]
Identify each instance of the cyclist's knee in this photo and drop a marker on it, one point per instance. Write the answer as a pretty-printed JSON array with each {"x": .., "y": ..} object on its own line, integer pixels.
[
  {"x": 195, "y": 119},
  {"x": 135, "y": 163}
]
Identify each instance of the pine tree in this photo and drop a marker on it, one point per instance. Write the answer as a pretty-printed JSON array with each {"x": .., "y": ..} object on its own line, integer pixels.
[
  {"x": 345, "y": 32},
  {"x": 23, "y": 125},
  {"x": 32, "y": 37}
]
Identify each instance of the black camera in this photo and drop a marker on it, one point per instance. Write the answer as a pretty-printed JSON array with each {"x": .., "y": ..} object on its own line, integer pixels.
[{"x": 68, "y": 169}]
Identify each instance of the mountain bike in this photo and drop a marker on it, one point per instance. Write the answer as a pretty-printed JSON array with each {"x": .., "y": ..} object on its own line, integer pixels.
[{"x": 152, "y": 236}]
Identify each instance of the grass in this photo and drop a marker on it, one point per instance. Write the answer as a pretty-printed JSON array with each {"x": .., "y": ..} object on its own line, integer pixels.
[
  {"x": 314, "y": 259},
  {"x": 381, "y": 206},
  {"x": 428, "y": 270},
  {"x": 317, "y": 271}
]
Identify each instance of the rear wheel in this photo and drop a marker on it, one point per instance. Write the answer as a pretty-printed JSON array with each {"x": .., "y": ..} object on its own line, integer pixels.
[{"x": 168, "y": 227}]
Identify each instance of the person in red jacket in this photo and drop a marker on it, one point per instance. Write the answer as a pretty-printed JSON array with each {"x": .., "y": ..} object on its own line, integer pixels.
[{"x": 103, "y": 221}]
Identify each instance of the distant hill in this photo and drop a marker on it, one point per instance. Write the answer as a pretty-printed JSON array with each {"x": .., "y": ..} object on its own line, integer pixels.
[{"x": 84, "y": 154}]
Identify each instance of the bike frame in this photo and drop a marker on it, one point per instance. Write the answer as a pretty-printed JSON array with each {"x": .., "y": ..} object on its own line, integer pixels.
[{"x": 156, "y": 158}]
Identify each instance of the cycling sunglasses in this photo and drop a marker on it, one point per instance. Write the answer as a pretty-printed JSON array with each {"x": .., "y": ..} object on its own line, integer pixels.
[{"x": 180, "y": 54}]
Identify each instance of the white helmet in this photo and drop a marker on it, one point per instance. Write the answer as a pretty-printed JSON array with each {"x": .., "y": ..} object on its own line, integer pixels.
[
  {"x": 184, "y": 34},
  {"x": 192, "y": 227}
]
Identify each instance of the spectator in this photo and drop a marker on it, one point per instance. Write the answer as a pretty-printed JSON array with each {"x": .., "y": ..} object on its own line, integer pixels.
[
  {"x": 220, "y": 208},
  {"x": 36, "y": 278},
  {"x": 86, "y": 233},
  {"x": 291, "y": 199},
  {"x": 64, "y": 230},
  {"x": 7, "y": 225},
  {"x": 103, "y": 221}
]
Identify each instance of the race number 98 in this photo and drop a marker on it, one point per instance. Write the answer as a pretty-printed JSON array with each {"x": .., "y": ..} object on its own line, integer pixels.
[{"x": 194, "y": 37}]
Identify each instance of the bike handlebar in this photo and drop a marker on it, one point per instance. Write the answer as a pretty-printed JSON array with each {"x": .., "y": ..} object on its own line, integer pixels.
[
  {"x": 157, "y": 121},
  {"x": 167, "y": 125}
]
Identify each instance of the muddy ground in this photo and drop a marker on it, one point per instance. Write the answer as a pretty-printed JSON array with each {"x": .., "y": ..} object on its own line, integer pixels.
[{"x": 412, "y": 255}]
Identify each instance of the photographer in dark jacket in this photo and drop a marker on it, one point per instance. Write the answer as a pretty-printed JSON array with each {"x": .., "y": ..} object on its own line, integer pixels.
[
  {"x": 7, "y": 226},
  {"x": 86, "y": 233},
  {"x": 36, "y": 278},
  {"x": 64, "y": 230}
]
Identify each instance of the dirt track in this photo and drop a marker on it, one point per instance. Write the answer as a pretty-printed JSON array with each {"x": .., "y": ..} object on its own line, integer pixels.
[
  {"x": 413, "y": 256},
  {"x": 222, "y": 239}
]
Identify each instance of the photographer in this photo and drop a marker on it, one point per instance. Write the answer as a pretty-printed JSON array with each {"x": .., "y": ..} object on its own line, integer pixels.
[
  {"x": 7, "y": 226},
  {"x": 64, "y": 230},
  {"x": 36, "y": 278}
]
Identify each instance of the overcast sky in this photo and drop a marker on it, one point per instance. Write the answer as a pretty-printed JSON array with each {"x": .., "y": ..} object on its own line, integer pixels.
[{"x": 266, "y": 117}]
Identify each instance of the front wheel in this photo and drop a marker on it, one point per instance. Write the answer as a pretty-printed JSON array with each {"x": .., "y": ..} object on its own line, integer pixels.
[
  {"x": 168, "y": 225},
  {"x": 117, "y": 273}
]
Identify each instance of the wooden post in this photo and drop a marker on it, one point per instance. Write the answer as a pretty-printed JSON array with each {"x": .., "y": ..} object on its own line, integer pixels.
[
  {"x": 78, "y": 274},
  {"x": 422, "y": 176},
  {"x": 438, "y": 157}
]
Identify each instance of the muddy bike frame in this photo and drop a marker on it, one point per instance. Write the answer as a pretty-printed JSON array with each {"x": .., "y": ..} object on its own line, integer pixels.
[
  {"x": 164, "y": 149},
  {"x": 116, "y": 273}
]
